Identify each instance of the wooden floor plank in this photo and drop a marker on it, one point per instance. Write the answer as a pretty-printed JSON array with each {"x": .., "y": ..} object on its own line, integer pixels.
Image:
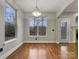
[{"x": 46, "y": 51}]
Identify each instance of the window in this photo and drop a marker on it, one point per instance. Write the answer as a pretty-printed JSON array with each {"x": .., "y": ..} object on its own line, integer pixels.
[
  {"x": 10, "y": 22},
  {"x": 38, "y": 26},
  {"x": 63, "y": 30}
]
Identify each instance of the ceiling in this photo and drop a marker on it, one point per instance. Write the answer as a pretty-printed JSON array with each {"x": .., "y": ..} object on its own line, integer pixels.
[
  {"x": 44, "y": 5},
  {"x": 73, "y": 7}
]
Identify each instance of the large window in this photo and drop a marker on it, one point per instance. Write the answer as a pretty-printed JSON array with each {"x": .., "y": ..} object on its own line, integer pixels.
[
  {"x": 37, "y": 26},
  {"x": 10, "y": 22}
]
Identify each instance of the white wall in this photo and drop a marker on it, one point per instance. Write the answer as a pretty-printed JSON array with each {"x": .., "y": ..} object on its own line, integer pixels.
[
  {"x": 1, "y": 27},
  {"x": 51, "y": 24},
  {"x": 23, "y": 28},
  {"x": 18, "y": 40}
]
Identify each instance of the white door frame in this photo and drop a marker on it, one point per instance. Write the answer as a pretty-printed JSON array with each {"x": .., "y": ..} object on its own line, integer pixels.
[{"x": 68, "y": 30}]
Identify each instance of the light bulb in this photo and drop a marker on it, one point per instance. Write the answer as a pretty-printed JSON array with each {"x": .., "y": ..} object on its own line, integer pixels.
[{"x": 36, "y": 13}]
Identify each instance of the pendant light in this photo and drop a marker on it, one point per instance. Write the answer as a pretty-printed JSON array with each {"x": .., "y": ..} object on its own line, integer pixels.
[{"x": 36, "y": 11}]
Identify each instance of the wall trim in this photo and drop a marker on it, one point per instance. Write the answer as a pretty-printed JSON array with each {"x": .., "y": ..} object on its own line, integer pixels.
[
  {"x": 10, "y": 52},
  {"x": 72, "y": 42},
  {"x": 40, "y": 42},
  {"x": 45, "y": 42}
]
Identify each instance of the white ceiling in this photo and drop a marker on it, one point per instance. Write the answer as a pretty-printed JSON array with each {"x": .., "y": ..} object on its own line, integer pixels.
[
  {"x": 73, "y": 7},
  {"x": 44, "y": 5}
]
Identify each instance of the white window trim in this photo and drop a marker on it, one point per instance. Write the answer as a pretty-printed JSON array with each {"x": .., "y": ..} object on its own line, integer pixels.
[
  {"x": 37, "y": 32},
  {"x": 9, "y": 41},
  {"x": 37, "y": 36},
  {"x": 14, "y": 38}
]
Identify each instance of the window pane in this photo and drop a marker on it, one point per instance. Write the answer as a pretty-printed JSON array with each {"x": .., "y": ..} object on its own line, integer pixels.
[
  {"x": 32, "y": 21},
  {"x": 42, "y": 21},
  {"x": 9, "y": 11},
  {"x": 33, "y": 26},
  {"x": 63, "y": 30},
  {"x": 42, "y": 30},
  {"x": 42, "y": 26},
  {"x": 33, "y": 30},
  {"x": 10, "y": 22}
]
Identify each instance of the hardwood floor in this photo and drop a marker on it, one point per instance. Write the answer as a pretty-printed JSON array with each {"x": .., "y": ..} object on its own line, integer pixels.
[{"x": 46, "y": 51}]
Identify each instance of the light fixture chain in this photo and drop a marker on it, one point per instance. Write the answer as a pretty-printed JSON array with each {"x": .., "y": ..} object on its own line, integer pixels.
[{"x": 36, "y": 3}]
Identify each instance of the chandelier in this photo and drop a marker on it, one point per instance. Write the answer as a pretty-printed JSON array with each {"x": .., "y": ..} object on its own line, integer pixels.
[{"x": 36, "y": 11}]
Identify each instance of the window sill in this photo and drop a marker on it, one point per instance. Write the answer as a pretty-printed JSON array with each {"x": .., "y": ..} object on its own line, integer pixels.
[
  {"x": 9, "y": 41},
  {"x": 37, "y": 36}
]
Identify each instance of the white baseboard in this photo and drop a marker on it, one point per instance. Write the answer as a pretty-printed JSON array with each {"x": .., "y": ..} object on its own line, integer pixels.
[
  {"x": 40, "y": 42},
  {"x": 10, "y": 52},
  {"x": 46, "y": 42},
  {"x": 72, "y": 42},
  {"x": 68, "y": 42}
]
